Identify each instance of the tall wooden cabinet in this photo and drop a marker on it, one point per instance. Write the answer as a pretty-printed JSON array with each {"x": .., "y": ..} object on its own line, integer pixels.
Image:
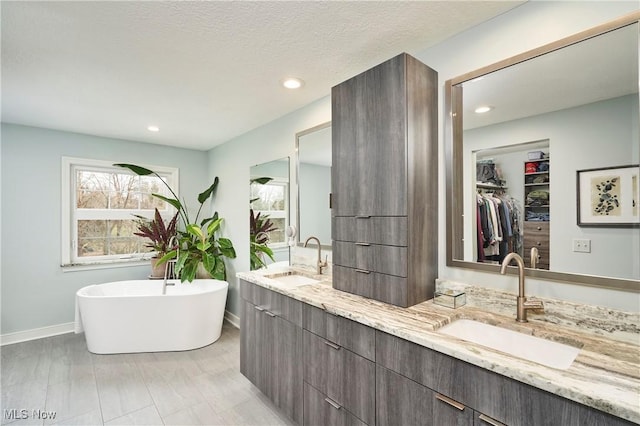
[{"x": 385, "y": 182}]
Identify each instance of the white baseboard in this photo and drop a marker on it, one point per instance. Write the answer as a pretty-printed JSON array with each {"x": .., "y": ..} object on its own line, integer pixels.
[
  {"x": 234, "y": 320},
  {"x": 36, "y": 333}
]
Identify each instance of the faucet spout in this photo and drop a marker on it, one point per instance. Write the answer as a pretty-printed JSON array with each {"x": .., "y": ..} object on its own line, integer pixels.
[
  {"x": 522, "y": 304},
  {"x": 319, "y": 263},
  {"x": 169, "y": 272}
]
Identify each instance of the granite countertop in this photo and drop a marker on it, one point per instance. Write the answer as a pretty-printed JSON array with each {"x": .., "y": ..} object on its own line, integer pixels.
[{"x": 605, "y": 375}]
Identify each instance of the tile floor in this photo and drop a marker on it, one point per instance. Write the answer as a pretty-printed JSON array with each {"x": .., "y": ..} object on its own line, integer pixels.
[{"x": 199, "y": 387}]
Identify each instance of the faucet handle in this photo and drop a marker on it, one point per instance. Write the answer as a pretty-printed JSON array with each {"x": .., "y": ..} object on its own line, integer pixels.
[{"x": 533, "y": 304}]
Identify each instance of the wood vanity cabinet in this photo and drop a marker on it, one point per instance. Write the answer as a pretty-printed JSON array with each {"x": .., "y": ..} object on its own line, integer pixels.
[
  {"x": 384, "y": 182},
  {"x": 494, "y": 399},
  {"x": 339, "y": 366},
  {"x": 323, "y": 369},
  {"x": 271, "y": 346}
]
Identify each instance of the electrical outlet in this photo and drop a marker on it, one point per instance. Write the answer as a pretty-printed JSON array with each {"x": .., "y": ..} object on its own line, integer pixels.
[{"x": 581, "y": 246}]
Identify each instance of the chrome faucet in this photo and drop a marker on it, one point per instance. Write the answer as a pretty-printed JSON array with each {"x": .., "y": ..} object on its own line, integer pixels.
[
  {"x": 523, "y": 303},
  {"x": 169, "y": 271},
  {"x": 319, "y": 264}
]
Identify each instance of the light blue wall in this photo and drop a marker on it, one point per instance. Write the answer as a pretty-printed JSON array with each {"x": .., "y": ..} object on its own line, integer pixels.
[
  {"x": 232, "y": 161},
  {"x": 35, "y": 290}
]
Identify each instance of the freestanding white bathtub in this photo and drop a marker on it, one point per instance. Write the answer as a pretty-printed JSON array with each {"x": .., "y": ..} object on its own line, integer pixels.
[{"x": 134, "y": 316}]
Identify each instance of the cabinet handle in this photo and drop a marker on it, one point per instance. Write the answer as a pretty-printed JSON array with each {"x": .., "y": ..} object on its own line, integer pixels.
[
  {"x": 333, "y": 403},
  {"x": 258, "y": 308},
  {"x": 539, "y": 228},
  {"x": 450, "y": 401},
  {"x": 489, "y": 420},
  {"x": 363, "y": 244},
  {"x": 362, "y": 271},
  {"x": 538, "y": 243},
  {"x": 271, "y": 314},
  {"x": 363, "y": 217},
  {"x": 332, "y": 345}
]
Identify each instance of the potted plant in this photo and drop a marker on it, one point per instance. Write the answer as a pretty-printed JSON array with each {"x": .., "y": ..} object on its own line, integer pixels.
[
  {"x": 259, "y": 227},
  {"x": 199, "y": 247},
  {"x": 160, "y": 236},
  {"x": 259, "y": 238}
]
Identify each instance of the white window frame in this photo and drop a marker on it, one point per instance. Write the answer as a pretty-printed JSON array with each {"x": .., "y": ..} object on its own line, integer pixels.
[
  {"x": 69, "y": 257},
  {"x": 279, "y": 214}
]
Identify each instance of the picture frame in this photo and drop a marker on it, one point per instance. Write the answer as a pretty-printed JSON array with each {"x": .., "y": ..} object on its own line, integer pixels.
[{"x": 608, "y": 196}]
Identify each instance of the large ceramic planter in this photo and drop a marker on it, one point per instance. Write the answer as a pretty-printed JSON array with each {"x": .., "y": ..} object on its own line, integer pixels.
[{"x": 157, "y": 271}]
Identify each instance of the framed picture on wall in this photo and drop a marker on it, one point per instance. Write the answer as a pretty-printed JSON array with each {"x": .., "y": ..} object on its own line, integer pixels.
[{"x": 609, "y": 196}]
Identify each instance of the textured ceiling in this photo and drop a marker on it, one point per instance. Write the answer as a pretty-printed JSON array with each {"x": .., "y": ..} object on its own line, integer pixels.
[{"x": 204, "y": 72}]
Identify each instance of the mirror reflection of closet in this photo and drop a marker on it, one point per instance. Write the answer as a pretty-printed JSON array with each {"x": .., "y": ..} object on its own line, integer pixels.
[
  {"x": 581, "y": 95},
  {"x": 512, "y": 193},
  {"x": 313, "y": 147},
  {"x": 269, "y": 204}
]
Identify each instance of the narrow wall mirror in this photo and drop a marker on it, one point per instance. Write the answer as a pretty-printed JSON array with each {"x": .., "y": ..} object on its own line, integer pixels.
[
  {"x": 268, "y": 213},
  {"x": 313, "y": 148},
  {"x": 553, "y": 112}
]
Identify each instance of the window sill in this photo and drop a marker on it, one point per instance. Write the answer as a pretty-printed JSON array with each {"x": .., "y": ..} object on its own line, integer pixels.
[{"x": 108, "y": 264}]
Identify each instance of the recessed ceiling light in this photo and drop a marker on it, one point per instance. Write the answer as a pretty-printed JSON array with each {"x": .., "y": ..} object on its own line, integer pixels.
[
  {"x": 483, "y": 109},
  {"x": 292, "y": 83},
  {"x": 153, "y": 128}
]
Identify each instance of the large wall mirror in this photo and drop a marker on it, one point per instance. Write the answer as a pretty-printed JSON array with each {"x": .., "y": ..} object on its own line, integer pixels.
[
  {"x": 313, "y": 148},
  {"x": 561, "y": 135},
  {"x": 268, "y": 213}
]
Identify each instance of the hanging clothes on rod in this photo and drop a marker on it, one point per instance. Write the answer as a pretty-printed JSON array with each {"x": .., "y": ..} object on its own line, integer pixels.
[{"x": 498, "y": 225}]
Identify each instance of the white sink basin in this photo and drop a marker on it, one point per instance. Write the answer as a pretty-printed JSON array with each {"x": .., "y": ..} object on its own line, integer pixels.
[
  {"x": 531, "y": 348},
  {"x": 292, "y": 279}
]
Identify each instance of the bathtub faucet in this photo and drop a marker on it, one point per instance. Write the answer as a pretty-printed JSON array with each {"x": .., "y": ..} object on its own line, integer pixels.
[{"x": 169, "y": 272}]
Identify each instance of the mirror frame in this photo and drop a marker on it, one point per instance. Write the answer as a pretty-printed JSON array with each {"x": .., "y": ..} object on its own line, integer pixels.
[
  {"x": 298, "y": 136},
  {"x": 453, "y": 160}
]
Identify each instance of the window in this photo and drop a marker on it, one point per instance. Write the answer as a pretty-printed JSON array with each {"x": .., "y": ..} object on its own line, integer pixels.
[
  {"x": 271, "y": 200},
  {"x": 99, "y": 204}
]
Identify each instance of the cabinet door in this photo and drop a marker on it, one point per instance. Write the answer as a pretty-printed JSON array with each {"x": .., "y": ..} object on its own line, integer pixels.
[
  {"x": 344, "y": 170},
  {"x": 286, "y": 368},
  {"x": 381, "y": 138},
  {"x": 344, "y": 377},
  {"x": 320, "y": 410},
  {"x": 447, "y": 411},
  {"x": 401, "y": 401},
  {"x": 248, "y": 340}
]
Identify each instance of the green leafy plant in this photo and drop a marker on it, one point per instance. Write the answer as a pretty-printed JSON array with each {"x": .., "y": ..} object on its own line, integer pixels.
[
  {"x": 198, "y": 243},
  {"x": 259, "y": 227}
]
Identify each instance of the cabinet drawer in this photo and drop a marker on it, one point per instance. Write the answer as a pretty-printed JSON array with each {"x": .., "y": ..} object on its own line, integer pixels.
[
  {"x": 343, "y": 376},
  {"x": 402, "y": 401},
  {"x": 385, "y": 288},
  {"x": 269, "y": 300},
  {"x": 384, "y": 230},
  {"x": 342, "y": 331},
  {"x": 371, "y": 257},
  {"x": 320, "y": 410},
  {"x": 536, "y": 228}
]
